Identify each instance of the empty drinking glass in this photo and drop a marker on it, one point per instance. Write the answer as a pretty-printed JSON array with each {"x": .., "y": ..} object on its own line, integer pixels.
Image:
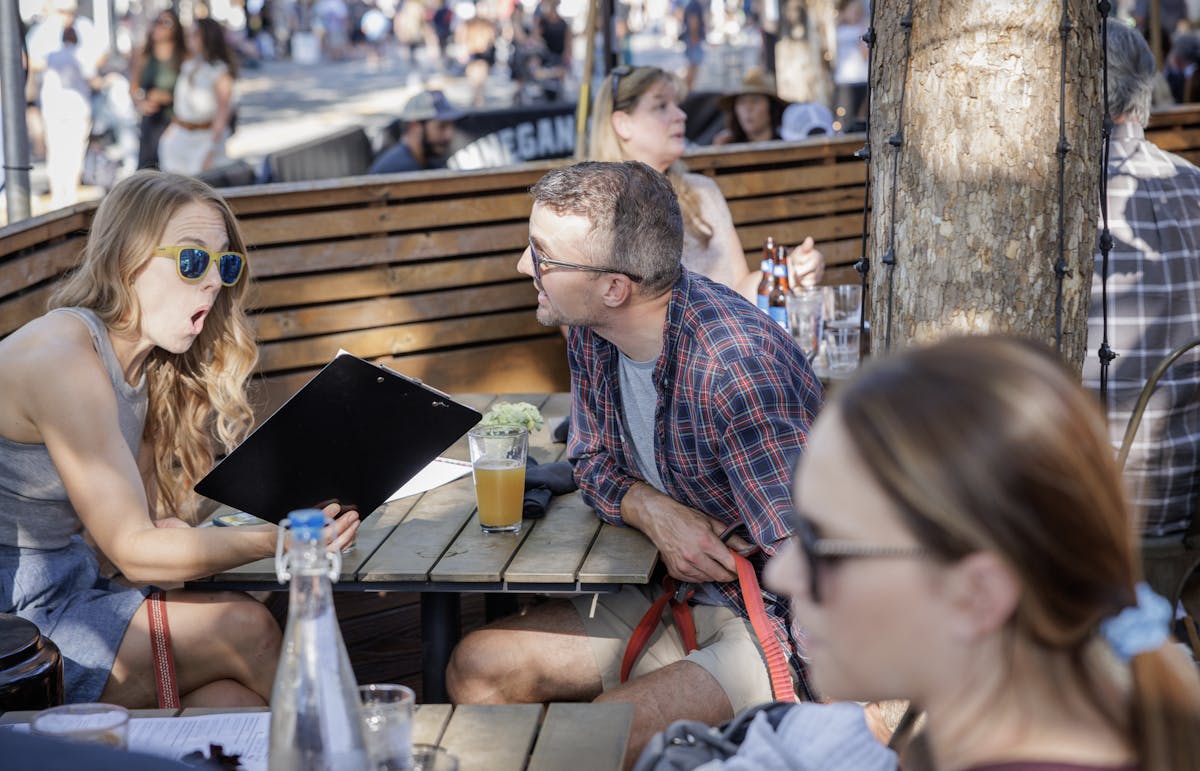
[
  {"x": 843, "y": 316},
  {"x": 106, "y": 724},
  {"x": 805, "y": 309},
  {"x": 387, "y": 715},
  {"x": 430, "y": 757}
]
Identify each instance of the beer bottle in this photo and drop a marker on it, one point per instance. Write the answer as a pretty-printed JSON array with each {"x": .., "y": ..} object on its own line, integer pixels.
[
  {"x": 781, "y": 258},
  {"x": 777, "y": 301},
  {"x": 767, "y": 266}
]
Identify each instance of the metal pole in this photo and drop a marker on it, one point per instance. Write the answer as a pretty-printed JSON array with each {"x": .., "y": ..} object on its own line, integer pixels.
[
  {"x": 585, "y": 85},
  {"x": 16, "y": 136}
]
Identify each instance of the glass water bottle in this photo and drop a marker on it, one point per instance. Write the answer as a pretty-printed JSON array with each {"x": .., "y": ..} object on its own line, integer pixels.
[{"x": 315, "y": 719}]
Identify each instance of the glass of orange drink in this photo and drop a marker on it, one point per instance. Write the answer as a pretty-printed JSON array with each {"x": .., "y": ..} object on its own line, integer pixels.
[{"x": 498, "y": 466}]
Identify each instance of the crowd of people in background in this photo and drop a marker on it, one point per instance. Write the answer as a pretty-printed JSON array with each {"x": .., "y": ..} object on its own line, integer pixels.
[{"x": 163, "y": 92}]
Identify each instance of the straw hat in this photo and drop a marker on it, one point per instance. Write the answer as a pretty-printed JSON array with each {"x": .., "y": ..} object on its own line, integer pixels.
[{"x": 756, "y": 82}]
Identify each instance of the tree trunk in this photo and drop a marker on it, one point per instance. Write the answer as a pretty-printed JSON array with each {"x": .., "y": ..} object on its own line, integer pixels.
[{"x": 975, "y": 208}]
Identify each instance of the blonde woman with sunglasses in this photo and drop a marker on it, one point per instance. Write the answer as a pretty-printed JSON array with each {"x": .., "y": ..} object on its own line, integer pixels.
[
  {"x": 114, "y": 402},
  {"x": 636, "y": 117}
]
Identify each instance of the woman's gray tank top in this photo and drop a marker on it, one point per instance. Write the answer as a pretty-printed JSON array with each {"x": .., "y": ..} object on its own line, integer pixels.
[{"x": 34, "y": 509}]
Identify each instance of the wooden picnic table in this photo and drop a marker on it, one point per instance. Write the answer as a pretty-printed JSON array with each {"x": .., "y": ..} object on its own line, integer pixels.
[
  {"x": 432, "y": 544},
  {"x": 504, "y": 737}
]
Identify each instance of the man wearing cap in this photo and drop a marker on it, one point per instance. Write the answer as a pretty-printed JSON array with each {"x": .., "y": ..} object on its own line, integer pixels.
[
  {"x": 805, "y": 119},
  {"x": 425, "y": 142}
]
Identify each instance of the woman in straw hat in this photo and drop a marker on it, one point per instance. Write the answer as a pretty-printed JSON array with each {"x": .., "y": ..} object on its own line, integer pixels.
[
  {"x": 752, "y": 114},
  {"x": 636, "y": 117}
]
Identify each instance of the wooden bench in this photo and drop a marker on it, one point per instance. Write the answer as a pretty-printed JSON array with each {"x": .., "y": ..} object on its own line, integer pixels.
[{"x": 418, "y": 271}]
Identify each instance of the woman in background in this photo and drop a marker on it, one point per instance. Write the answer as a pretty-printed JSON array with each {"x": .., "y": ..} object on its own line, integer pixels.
[
  {"x": 195, "y": 140},
  {"x": 152, "y": 82},
  {"x": 752, "y": 114},
  {"x": 962, "y": 540},
  {"x": 636, "y": 117}
]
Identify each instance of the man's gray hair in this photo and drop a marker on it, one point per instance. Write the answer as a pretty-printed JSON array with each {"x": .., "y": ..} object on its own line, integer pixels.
[
  {"x": 636, "y": 225},
  {"x": 1131, "y": 74}
]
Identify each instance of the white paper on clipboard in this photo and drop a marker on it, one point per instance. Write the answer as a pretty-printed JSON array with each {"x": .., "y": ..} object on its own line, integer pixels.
[{"x": 441, "y": 471}]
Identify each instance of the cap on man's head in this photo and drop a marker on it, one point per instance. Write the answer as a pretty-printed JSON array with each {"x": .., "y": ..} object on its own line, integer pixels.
[
  {"x": 805, "y": 119},
  {"x": 429, "y": 105},
  {"x": 64, "y": 6}
]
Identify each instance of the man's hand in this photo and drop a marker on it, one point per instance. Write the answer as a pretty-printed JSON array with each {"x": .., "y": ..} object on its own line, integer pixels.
[
  {"x": 807, "y": 263},
  {"x": 344, "y": 528},
  {"x": 688, "y": 540},
  {"x": 171, "y": 522}
]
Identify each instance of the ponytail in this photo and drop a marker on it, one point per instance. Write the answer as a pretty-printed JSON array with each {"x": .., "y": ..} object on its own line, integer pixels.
[{"x": 1165, "y": 709}]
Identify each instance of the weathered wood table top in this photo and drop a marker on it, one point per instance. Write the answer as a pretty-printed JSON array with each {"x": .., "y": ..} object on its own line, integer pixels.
[
  {"x": 507, "y": 737},
  {"x": 433, "y": 542}
]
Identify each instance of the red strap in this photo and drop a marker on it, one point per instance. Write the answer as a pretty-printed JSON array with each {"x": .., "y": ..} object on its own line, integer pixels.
[
  {"x": 160, "y": 649},
  {"x": 777, "y": 664},
  {"x": 645, "y": 628}
]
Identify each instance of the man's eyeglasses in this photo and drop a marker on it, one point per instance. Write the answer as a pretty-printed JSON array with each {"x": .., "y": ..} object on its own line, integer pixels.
[
  {"x": 617, "y": 74},
  {"x": 828, "y": 551},
  {"x": 192, "y": 263},
  {"x": 165, "y": 21},
  {"x": 539, "y": 261}
]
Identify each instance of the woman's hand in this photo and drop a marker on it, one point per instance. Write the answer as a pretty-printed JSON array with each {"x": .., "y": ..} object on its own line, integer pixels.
[
  {"x": 807, "y": 264},
  {"x": 343, "y": 529}
]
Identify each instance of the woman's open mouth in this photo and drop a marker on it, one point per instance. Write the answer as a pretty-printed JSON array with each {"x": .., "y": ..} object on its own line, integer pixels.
[{"x": 198, "y": 320}]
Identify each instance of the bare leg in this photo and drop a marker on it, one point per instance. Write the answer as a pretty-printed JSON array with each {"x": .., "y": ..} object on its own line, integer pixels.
[
  {"x": 539, "y": 655},
  {"x": 679, "y": 691},
  {"x": 226, "y": 647}
]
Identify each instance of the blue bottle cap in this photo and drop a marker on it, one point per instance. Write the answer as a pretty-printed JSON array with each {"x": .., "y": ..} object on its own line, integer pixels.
[{"x": 307, "y": 524}]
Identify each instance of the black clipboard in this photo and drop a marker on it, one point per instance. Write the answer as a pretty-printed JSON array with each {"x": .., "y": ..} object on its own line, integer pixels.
[{"x": 354, "y": 434}]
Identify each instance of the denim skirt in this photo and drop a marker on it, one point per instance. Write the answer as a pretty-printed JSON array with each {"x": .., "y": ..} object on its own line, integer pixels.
[{"x": 85, "y": 614}]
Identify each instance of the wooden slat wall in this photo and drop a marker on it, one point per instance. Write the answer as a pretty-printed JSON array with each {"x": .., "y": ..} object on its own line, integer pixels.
[{"x": 418, "y": 270}]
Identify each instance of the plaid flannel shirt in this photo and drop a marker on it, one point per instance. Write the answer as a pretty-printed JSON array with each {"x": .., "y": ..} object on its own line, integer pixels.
[
  {"x": 1153, "y": 307},
  {"x": 736, "y": 397}
]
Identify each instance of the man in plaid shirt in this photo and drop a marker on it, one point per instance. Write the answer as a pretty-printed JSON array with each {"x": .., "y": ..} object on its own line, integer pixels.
[
  {"x": 690, "y": 409},
  {"x": 1153, "y": 298}
]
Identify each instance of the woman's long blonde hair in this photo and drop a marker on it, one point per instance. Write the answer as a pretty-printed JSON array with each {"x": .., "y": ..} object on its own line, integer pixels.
[
  {"x": 194, "y": 396},
  {"x": 605, "y": 145},
  {"x": 988, "y": 444}
]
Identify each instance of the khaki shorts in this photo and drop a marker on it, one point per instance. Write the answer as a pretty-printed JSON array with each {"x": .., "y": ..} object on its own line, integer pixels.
[{"x": 728, "y": 649}]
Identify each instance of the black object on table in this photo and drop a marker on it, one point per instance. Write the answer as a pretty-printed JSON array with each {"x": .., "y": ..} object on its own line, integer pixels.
[{"x": 31, "y": 668}]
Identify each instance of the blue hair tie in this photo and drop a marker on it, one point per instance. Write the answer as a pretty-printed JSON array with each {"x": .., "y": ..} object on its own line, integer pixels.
[{"x": 1140, "y": 628}]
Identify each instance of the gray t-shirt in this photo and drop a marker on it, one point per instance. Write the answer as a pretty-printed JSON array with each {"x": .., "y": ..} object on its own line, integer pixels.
[{"x": 639, "y": 400}]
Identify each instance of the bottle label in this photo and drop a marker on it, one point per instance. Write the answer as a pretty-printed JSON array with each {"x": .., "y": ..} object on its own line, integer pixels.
[
  {"x": 779, "y": 315},
  {"x": 764, "y": 303}
]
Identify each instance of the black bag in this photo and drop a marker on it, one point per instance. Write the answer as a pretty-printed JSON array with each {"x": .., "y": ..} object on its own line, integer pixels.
[{"x": 688, "y": 744}]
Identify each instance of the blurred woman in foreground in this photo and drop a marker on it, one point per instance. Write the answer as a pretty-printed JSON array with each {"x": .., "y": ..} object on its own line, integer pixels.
[
  {"x": 636, "y": 117},
  {"x": 963, "y": 541}
]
